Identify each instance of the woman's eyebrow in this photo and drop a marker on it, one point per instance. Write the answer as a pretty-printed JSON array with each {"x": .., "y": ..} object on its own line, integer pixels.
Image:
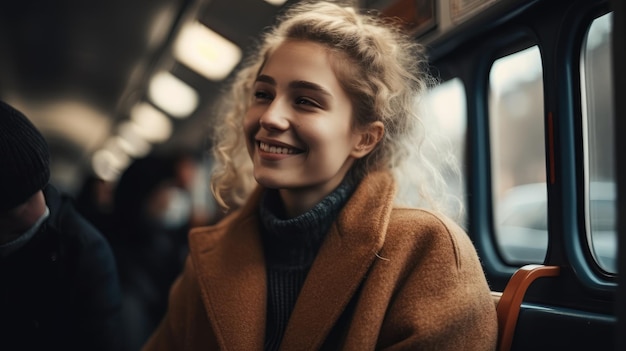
[
  {"x": 297, "y": 84},
  {"x": 302, "y": 84},
  {"x": 265, "y": 79}
]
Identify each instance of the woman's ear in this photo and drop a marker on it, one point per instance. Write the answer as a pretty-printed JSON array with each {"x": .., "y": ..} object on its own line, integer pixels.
[{"x": 368, "y": 139}]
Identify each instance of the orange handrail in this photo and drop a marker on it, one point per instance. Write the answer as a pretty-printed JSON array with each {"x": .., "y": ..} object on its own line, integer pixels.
[{"x": 509, "y": 304}]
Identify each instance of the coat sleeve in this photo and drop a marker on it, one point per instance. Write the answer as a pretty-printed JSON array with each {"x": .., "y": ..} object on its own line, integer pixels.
[
  {"x": 168, "y": 334},
  {"x": 443, "y": 301}
]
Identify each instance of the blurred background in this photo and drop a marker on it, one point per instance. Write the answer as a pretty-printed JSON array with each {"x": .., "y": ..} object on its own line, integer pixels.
[{"x": 108, "y": 82}]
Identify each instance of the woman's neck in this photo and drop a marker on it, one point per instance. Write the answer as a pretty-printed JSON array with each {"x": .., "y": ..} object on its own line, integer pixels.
[{"x": 302, "y": 200}]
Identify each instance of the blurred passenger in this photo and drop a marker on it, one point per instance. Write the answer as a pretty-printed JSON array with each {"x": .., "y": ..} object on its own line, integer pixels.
[
  {"x": 59, "y": 287},
  {"x": 95, "y": 202},
  {"x": 151, "y": 213},
  {"x": 190, "y": 176},
  {"x": 318, "y": 251}
]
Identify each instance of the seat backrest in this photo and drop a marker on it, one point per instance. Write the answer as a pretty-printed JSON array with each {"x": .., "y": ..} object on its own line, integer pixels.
[{"x": 509, "y": 301}]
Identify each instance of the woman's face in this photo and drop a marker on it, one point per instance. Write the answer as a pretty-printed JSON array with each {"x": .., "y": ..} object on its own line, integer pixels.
[{"x": 299, "y": 125}]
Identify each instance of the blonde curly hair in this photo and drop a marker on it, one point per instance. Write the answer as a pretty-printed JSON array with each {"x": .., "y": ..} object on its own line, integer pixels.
[{"x": 384, "y": 72}]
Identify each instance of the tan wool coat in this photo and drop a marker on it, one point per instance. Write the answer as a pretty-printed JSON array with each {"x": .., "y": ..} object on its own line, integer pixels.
[{"x": 396, "y": 278}]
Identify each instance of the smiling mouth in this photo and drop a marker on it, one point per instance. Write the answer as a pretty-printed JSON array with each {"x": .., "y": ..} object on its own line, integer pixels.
[{"x": 273, "y": 149}]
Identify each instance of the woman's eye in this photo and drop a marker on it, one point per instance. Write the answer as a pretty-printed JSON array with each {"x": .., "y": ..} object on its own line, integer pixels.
[
  {"x": 262, "y": 95},
  {"x": 304, "y": 101}
]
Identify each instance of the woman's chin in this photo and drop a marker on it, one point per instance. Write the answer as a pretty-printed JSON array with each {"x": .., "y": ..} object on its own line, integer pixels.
[{"x": 270, "y": 182}]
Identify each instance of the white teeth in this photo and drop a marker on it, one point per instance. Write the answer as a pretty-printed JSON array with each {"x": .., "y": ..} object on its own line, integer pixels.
[{"x": 275, "y": 149}]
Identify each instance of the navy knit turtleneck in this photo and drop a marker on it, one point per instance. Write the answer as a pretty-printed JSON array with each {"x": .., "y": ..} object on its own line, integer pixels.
[{"x": 290, "y": 247}]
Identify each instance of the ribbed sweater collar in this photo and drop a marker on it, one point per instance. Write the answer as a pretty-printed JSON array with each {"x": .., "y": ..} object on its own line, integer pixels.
[{"x": 294, "y": 242}]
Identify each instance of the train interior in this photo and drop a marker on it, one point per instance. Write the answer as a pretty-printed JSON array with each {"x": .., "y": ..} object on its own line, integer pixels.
[{"x": 111, "y": 82}]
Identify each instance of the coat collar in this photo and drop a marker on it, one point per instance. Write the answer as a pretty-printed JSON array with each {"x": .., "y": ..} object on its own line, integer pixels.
[{"x": 231, "y": 270}]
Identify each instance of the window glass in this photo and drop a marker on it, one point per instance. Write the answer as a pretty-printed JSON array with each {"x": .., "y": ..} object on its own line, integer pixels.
[
  {"x": 599, "y": 144},
  {"x": 516, "y": 122},
  {"x": 446, "y": 113}
]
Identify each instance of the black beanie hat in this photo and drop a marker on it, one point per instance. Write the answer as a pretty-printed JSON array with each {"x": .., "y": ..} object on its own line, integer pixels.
[{"x": 24, "y": 158}]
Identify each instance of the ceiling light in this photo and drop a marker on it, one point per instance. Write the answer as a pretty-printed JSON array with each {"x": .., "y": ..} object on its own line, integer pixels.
[
  {"x": 131, "y": 143},
  {"x": 108, "y": 164},
  {"x": 89, "y": 126},
  {"x": 149, "y": 123},
  {"x": 276, "y": 2},
  {"x": 206, "y": 52},
  {"x": 172, "y": 95}
]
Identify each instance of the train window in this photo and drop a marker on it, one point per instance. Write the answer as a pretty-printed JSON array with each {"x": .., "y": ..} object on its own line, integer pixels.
[
  {"x": 446, "y": 113},
  {"x": 597, "y": 101},
  {"x": 516, "y": 117}
]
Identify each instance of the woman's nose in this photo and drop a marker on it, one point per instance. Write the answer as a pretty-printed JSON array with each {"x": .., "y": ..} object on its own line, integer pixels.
[{"x": 275, "y": 117}]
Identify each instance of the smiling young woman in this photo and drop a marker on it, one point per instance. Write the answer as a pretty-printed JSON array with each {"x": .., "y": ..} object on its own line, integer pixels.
[
  {"x": 299, "y": 126},
  {"x": 317, "y": 252}
]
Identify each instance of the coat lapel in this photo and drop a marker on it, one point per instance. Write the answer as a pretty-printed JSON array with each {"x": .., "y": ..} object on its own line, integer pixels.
[
  {"x": 231, "y": 271},
  {"x": 345, "y": 257}
]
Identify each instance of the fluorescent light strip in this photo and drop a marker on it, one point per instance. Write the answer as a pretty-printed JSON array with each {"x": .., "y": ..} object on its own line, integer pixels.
[
  {"x": 206, "y": 52},
  {"x": 172, "y": 95}
]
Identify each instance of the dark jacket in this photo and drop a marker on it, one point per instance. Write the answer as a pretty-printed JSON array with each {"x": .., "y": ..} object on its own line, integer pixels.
[
  {"x": 61, "y": 290},
  {"x": 385, "y": 278}
]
